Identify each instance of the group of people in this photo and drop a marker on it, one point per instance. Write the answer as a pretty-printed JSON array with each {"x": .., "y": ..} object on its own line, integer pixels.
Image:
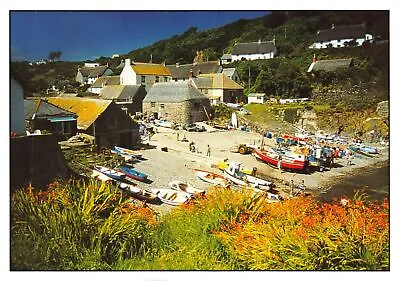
[{"x": 193, "y": 148}]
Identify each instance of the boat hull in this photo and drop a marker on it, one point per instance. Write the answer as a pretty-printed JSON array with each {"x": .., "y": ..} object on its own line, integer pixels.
[
  {"x": 133, "y": 174},
  {"x": 286, "y": 162}
]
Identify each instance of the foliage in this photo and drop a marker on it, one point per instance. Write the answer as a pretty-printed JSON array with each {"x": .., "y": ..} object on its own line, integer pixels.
[
  {"x": 74, "y": 226},
  {"x": 91, "y": 226},
  {"x": 53, "y": 55}
]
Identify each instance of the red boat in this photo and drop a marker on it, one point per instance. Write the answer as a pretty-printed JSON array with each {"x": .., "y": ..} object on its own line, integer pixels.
[{"x": 289, "y": 161}]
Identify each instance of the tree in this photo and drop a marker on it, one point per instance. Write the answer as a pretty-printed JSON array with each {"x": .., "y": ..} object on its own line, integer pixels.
[{"x": 53, "y": 55}]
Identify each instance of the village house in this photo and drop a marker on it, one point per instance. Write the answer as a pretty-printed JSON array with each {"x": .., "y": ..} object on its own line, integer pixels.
[
  {"x": 41, "y": 115},
  {"x": 256, "y": 98},
  {"x": 102, "y": 119},
  {"x": 231, "y": 73},
  {"x": 329, "y": 65},
  {"x": 252, "y": 51},
  {"x": 91, "y": 71},
  {"x": 102, "y": 82},
  {"x": 341, "y": 36},
  {"x": 219, "y": 88},
  {"x": 182, "y": 72},
  {"x": 226, "y": 59},
  {"x": 17, "y": 124},
  {"x": 146, "y": 74},
  {"x": 128, "y": 97},
  {"x": 179, "y": 102}
]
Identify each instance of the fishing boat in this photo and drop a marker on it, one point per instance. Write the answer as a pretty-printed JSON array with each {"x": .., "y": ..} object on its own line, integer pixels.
[
  {"x": 138, "y": 193},
  {"x": 126, "y": 151},
  {"x": 210, "y": 177},
  {"x": 115, "y": 175},
  {"x": 233, "y": 174},
  {"x": 171, "y": 197},
  {"x": 132, "y": 173},
  {"x": 185, "y": 187},
  {"x": 363, "y": 148},
  {"x": 290, "y": 161}
]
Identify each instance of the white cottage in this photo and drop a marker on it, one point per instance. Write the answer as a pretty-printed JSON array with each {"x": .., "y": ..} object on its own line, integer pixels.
[
  {"x": 256, "y": 98},
  {"x": 17, "y": 108},
  {"x": 254, "y": 50},
  {"x": 341, "y": 36},
  {"x": 146, "y": 74}
]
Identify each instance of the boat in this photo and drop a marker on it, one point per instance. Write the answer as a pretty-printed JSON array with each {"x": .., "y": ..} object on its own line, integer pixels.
[
  {"x": 223, "y": 165},
  {"x": 210, "y": 177},
  {"x": 132, "y": 173},
  {"x": 126, "y": 151},
  {"x": 290, "y": 161},
  {"x": 233, "y": 174},
  {"x": 163, "y": 123},
  {"x": 185, "y": 187},
  {"x": 100, "y": 176},
  {"x": 115, "y": 175},
  {"x": 171, "y": 197},
  {"x": 139, "y": 193},
  {"x": 363, "y": 148}
]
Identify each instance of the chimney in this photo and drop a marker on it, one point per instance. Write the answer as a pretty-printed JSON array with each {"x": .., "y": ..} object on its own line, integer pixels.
[
  {"x": 259, "y": 40},
  {"x": 333, "y": 26},
  {"x": 314, "y": 58},
  {"x": 177, "y": 64},
  {"x": 127, "y": 61},
  {"x": 191, "y": 73}
]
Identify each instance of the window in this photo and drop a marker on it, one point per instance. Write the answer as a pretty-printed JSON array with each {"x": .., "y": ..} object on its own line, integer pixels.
[
  {"x": 162, "y": 106},
  {"x": 258, "y": 98},
  {"x": 338, "y": 40},
  {"x": 166, "y": 79},
  {"x": 153, "y": 104},
  {"x": 143, "y": 79},
  {"x": 157, "y": 79}
]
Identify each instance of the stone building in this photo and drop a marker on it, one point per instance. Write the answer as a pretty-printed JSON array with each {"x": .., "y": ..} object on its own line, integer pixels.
[{"x": 179, "y": 102}]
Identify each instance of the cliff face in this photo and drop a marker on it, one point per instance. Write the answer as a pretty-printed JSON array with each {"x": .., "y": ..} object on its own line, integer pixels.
[{"x": 36, "y": 159}]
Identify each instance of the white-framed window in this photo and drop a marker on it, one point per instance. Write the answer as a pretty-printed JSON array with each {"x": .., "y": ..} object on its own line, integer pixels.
[
  {"x": 162, "y": 106},
  {"x": 157, "y": 79}
]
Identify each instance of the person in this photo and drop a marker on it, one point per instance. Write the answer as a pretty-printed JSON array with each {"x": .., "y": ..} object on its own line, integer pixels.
[
  {"x": 208, "y": 150},
  {"x": 349, "y": 158},
  {"x": 177, "y": 136},
  {"x": 191, "y": 146},
  {"x": 279, "y": 163}
]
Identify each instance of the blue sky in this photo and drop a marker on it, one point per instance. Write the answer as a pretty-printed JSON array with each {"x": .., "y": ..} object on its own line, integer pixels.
[{"x": 91, "y": 34}]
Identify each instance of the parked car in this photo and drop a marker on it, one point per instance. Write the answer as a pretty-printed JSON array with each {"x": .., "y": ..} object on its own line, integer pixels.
[{"x": 194, "y": 128}]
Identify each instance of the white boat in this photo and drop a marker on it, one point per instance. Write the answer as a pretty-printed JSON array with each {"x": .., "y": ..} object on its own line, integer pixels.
[
  {"x": 210, "y": 177},
  {"x": 233, "y": 174},
  {"x": 100, "y": 176},
  {"x": 138, "y": 193},
  {"x": 185, "y": 187},
  {"x": 128, "y": 152},
  {"x": 162, "y": 123},
  {"x": 171, "y": 197}
]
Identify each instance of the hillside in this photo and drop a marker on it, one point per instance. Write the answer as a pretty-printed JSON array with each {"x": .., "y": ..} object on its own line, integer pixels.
[{"x": 365, "y": 83}]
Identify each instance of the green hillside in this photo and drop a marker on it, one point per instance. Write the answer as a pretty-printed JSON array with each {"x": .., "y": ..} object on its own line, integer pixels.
[{"x": 284, "y": 76}]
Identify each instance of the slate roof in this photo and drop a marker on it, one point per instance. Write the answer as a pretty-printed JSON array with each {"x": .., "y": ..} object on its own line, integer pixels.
[
  {"x": 228, "y": 71},
  {"x": 256, "y": 95},
  {"x": 43, "y": 109},
  {"x": 92, "y": 72},
  {"x": 173, "y": 92},
  {"x": 253, "y": 48},
  {"x": 226, "y": 57},
  {"x": 183, "y": 71},
  {"x": 221, "y": 81},
  {"x": 120, "y": 91},
  {"x": 106, "y": 80},
  {"x": 330, "y": 65},
  {"x": 88, "y": 110},
  {"x": 142, "y": 68},
  {"x": 341, "y": 32}
]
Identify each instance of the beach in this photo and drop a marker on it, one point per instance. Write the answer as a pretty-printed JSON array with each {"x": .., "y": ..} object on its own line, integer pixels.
[{"x": 168, "y": 159}]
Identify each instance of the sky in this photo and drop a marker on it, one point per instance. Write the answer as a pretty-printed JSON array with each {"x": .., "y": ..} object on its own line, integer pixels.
[{"x": 87, "y": 35}]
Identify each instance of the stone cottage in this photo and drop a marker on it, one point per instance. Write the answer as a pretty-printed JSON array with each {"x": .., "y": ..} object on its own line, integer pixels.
[{"x": 179, "y": 102}]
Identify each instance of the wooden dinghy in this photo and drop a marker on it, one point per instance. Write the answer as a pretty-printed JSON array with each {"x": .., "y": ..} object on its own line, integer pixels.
[
  {"x": 185, "y": 187},
  {"x": 171, "y": 197},
  {"x": 211, "y": 177},
  {"x": 139, "y": 193}
]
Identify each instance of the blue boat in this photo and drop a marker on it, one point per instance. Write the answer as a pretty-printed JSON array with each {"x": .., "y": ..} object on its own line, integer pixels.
[{"x": 131, "y": 173}]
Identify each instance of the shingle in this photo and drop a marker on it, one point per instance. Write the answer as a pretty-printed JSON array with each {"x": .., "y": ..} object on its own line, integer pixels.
[
  {"x": 173, "y": 92},
  {"x": 253, "y": 48},
  {"x": 183, "y": 71},
  {"x": 341, "y": 32}
]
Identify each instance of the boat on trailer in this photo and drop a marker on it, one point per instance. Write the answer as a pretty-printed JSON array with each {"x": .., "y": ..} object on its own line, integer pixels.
[{"x": 289, "y": 161}]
